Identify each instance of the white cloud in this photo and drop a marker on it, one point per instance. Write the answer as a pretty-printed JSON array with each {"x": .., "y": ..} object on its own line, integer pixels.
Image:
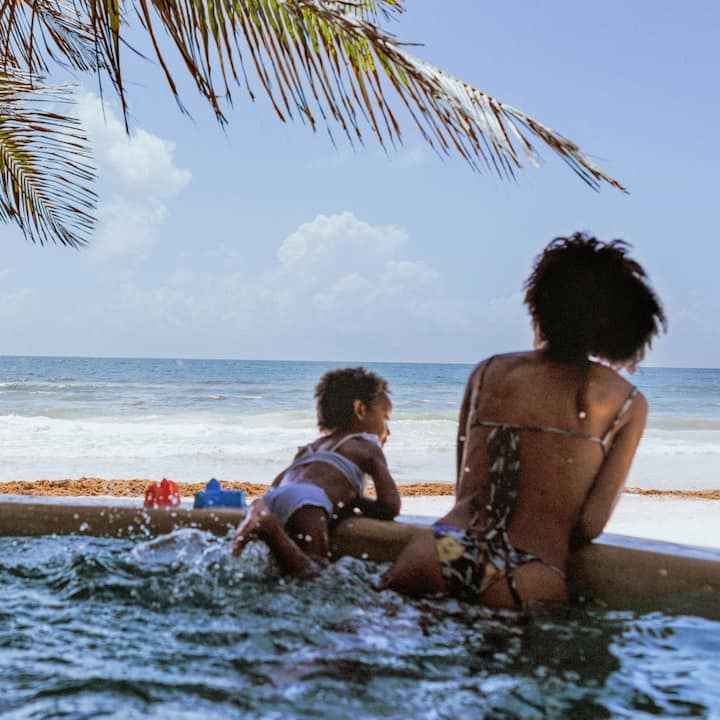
[
  {"x": 340, "y": 265},
  {"x": 342, "y": 239},
  {"x": 126, "y": 225},
  {"x": 338, "y": 288},
  {"x": 345, "y": 288},
  {"x": 137, "y": 172}
]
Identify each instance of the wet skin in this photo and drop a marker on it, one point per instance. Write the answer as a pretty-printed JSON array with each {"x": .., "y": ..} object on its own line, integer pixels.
[
  {"x": 303, "y": 546},
  {"x": 568, "y": 486}
]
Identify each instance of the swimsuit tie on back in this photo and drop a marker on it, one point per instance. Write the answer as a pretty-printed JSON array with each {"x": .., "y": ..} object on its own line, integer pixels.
[{"x": 474, "y": 559}]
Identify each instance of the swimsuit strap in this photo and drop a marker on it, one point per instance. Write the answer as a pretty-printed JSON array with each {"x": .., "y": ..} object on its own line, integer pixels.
[
  {"x": 516, "y": 558},
  {"x": 537, "y": 428},
  {"x": 478, "y": 389},
  {"x": 371, "y": 437},
  {"x": 475, "y": 398},
  {"x": 353, "y": 473},
  {"x": 623, "y": 409},
  {"x": 602, "y": 441}
]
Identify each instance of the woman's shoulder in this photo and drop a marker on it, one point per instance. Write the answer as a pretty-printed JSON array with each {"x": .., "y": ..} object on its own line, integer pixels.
[
  {"x": 503, "y": 361},
  {"x": 609, "y": 381},
  {"x": 614, "y": 396}
]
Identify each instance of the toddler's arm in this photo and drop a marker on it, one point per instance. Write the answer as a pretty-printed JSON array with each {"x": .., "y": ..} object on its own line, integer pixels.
[{"x": 387, "y": 505}]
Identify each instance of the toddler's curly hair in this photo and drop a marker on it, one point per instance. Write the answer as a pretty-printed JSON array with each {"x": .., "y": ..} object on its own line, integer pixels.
[{"x": 337, "y": 391}]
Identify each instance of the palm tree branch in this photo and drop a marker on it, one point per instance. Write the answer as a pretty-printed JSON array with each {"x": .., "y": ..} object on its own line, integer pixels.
[
  {"x": 45, "y": 171},
  {"x": 34, "y": 32},
  {"x": 314, "y": 57},
  {"x": 329, "y": 59}
]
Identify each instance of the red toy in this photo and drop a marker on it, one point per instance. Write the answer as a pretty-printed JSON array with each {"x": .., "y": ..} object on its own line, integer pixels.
[{"x": 163, "y": 494}]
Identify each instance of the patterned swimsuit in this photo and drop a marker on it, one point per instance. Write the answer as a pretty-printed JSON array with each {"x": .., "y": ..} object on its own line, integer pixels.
[{"x": 472, "y": 560}]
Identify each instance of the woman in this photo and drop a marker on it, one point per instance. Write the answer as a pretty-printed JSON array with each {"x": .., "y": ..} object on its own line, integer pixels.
[{"x": 546, "y": 437}]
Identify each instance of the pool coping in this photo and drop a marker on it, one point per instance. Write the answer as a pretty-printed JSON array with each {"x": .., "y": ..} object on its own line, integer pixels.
[{"x": 616, "y": 571}]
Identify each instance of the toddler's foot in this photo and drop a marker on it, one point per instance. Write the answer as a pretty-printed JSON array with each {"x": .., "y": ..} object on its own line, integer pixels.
[{"x": 256, "y": 519}]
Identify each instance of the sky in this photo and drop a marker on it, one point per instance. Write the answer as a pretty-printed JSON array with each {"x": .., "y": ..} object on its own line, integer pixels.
[{"x": 266, "y": 241}]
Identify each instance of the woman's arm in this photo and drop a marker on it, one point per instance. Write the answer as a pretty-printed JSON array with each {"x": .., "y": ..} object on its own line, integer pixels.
[
  {"x": 610, "y": 480},
  {"x": 462, "y": 429},
  {"x": 472, "y": 386}
]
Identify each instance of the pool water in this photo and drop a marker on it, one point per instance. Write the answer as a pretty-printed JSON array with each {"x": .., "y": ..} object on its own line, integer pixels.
[{"x": 177, "y": 628}]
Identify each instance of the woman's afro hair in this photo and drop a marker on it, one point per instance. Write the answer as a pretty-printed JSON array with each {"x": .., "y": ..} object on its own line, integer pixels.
[{"x": 590, "y": 299}]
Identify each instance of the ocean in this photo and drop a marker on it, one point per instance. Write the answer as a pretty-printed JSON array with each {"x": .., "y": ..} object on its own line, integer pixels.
[
  {"x": 189, "y": 420},
  {"x": 174, "y": 627}
]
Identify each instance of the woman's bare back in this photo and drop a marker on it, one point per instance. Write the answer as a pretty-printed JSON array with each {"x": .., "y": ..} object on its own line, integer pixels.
[{"x": 566, "y": 417}]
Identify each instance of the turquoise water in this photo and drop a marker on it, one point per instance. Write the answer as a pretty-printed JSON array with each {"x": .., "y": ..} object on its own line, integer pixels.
[
  {"x": 190, "y": 420},
  {"x": 176, "y": 628}
]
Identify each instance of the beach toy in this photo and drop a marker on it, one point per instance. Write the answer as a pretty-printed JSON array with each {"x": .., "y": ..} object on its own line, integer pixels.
[
  {"x": 215, "y": 496},
  {"x": 163, "y": 494}
]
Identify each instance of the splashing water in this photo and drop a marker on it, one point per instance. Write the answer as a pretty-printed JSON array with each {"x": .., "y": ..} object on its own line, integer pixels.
[{"x": 177, "y": 628}]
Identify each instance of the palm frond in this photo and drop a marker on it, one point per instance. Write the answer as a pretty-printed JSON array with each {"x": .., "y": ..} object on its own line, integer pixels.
[
  {"x": 45, "y": 171},
  {"x": 328, "y": 62},
  {"x": 373, "y": 10},
  {"x": 325, "y": 61},
  {"x": 34, "y": 33}
]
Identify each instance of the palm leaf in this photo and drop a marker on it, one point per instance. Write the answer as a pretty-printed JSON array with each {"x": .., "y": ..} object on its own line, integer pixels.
[
  {"x": 329, "y": 62},
  {"x": 326, "y": 62},
  {"x": 34, "y": 33},
  {"x": 45, "y": 174}
]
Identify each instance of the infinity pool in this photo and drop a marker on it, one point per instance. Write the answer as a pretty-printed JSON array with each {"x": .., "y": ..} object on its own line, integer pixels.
[{"x": 176, "y": 628}]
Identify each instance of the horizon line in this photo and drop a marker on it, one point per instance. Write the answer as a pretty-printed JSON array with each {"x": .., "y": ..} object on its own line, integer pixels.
[{"x": 182, "y": 358}]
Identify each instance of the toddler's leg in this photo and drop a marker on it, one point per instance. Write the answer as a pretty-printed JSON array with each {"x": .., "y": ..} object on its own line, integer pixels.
[
  {"x": 308, "y": 527},
  {"x": 259, "y": 523}
]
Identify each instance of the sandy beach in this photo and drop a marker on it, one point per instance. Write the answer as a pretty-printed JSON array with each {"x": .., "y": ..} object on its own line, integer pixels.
[{"x": 687, "y": 518}]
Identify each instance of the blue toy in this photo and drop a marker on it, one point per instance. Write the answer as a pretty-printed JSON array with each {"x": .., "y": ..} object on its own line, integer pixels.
[{"x": 215, "y": 496}]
